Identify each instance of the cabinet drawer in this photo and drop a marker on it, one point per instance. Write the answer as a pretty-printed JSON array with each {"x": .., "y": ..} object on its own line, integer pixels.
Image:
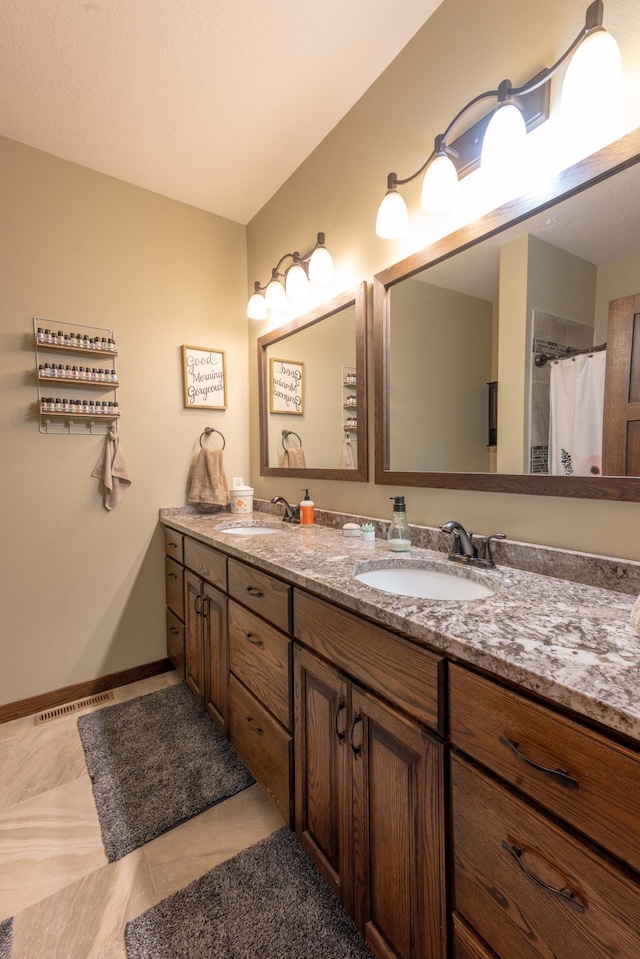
[
  {"x": 173, "y": 574},
  {"x": 529, "y": 888},
  {"x": 586, "y": 778},
  {"x": 173, "y": 544},
  {"x": 262, "y": 593},
  {"x": 466, "y": 944},
  {"x": 403, "y": 673},
  {"x": 262, "y": 744},
  {"x": 175, "y": 641},
  {"x": 259, "y": 656},
  {"x": 206, "y": 562}
]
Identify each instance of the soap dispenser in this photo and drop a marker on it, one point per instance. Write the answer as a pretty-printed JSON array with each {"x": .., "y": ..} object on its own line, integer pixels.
[
  {"x": 307, "y": 510},
  {"x": 399, "y": 533}
]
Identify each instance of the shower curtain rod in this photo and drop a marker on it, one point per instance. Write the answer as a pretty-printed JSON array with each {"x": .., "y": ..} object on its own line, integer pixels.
[{"x": 541, "y": 359}]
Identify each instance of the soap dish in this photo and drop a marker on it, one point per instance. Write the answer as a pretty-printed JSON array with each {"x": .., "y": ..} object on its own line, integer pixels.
[{"x": 351, "y": 529}]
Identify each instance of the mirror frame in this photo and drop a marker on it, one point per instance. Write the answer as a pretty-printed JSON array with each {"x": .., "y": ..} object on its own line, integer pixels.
[
  {"x": 356, "y": 297},
  {"x": 612, "y": 159}
]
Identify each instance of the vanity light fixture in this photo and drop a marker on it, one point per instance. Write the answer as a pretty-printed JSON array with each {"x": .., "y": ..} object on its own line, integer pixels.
[
  {"x": 316, "y": 265},
  {"x": 493, "y": 140}
]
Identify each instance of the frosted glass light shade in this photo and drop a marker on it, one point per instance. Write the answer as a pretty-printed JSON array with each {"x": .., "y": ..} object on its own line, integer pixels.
[
  {"x": 440, "y": 186},
  {"x": 275, "y": 296},
  {"x": 257, "y": 308},
  {"x": 296, "y": 284},
  {"x": 503, "y": 143},
  {"x": 591, "y": 86},
  {"x": 393, "y": 218},
  {"x": 321, "y": 269}
]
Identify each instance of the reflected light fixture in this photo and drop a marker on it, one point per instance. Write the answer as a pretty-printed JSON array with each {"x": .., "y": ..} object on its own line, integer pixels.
[
  {"x": 316, "y": 265},
  {"x": 495, "y": 141}
]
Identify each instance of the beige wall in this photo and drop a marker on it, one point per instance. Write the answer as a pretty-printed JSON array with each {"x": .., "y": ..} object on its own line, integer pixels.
[
  {"x": 615, "y": 279},
  {"x": 83, "y": 589},
  {"x": 464, "y": 49},
  {"x": 440, "y": 364}
]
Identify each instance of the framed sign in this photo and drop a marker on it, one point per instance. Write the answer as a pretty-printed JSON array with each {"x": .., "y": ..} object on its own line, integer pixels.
[
  {"x": 205, "y": 378},
  {"x": 286, "y": 386}
]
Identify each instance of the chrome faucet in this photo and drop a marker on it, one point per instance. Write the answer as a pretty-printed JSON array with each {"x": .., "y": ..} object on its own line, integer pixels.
[
  {"x": 291, "y": 513},
  {"x": 464, "y": 550}
]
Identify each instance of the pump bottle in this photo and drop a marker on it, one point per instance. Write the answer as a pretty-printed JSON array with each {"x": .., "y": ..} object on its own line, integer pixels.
[
  {"x": 399, "y": 533},
  {"x": 307, "y": 510}
]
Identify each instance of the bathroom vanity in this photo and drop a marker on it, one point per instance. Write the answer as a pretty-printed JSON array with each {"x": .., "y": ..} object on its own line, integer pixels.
[{"x": 465, "y": 775}]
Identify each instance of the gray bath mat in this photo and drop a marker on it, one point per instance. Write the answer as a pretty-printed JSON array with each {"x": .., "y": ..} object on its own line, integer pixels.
[
  {"x": 155, "y": 762},
  {"x": 6, "y": 936},
  {"x": 268, "y": 901}
]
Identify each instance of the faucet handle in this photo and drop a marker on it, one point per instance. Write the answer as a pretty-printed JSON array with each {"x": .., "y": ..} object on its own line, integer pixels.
[{"x": 484, "y": 553}]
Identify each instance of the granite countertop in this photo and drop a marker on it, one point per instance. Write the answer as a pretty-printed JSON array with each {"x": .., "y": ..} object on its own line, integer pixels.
[{"x": 566, "y": 641}]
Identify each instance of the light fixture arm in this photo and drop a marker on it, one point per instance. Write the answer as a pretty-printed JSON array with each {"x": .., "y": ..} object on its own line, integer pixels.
[
  {"x": 301, "y": 260},
  {"x": 593, "y": 22}
]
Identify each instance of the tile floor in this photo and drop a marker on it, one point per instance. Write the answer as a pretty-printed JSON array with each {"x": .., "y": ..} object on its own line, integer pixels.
[{"x": 68, "y": 902}]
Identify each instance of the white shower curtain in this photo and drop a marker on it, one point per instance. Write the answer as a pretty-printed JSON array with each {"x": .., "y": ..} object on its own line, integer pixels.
[{"x": 575, "y": 419}]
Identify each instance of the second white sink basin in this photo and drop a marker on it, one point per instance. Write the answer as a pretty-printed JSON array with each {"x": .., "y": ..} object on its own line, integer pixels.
[
  {"x": 424, "y": 583},
  {"x": 249, "y": 530}
]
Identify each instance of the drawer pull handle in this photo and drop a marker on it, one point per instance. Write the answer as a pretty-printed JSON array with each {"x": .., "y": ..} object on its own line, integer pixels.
[
  {"x": 254, "y": 642},
  {"x": 173, "y": 630},
  {"x": 172, "y": 545},
  {"x": 339, "y": 734},
  {"x": 570, "y": 898},
  {"x": 356, "y": 749},
  {"x": 254, "y": 728},
  {"x": 172, "y": 575},
  {"x": 198, "y": 609},
  {"x": 205, "y": 607},
  {"x": 560, "y": 774},
  {"x": 252, "y": 591}
]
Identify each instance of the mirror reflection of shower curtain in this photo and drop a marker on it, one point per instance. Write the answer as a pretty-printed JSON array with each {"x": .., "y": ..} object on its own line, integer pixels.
[{"x": 576, "y": 408}]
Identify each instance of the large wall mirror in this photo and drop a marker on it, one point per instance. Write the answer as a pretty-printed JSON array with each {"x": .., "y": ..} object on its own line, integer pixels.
[
  {"x": 533, "y": 313},
  {"x": 313, "y": 393}
]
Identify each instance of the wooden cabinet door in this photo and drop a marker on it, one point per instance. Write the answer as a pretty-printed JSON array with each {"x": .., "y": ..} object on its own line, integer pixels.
[
  {"x": 398, "y": 832},
  {"x": 193, "y": 654},
  {"x": 216, "y": 655},
  {"x": 321, "y": 711}
]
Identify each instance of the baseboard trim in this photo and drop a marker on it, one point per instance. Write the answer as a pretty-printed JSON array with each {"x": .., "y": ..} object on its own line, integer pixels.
[{"x": 57, "y": 697}]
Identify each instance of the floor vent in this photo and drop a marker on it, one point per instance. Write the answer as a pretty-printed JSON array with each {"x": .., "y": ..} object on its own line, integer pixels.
[{"x": 58, "y": 711}]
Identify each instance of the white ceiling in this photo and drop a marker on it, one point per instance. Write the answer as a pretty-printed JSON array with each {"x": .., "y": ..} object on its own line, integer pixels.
[{"x": 211, "y": 102}]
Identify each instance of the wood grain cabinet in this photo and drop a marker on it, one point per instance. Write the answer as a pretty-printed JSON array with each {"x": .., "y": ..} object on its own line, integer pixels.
[
  {"x": 174, "y": 590},
  {"x": 528, "y": 875},
  {"x": 369, "y": 809},
  {"x": 206, "y": 647},
  {"x": 260, "y": 726}
]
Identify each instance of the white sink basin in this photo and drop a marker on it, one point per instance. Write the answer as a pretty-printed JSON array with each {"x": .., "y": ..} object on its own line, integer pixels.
[
  {"x": 249, "y": 530},
  {"x": 424, "y": 583}
]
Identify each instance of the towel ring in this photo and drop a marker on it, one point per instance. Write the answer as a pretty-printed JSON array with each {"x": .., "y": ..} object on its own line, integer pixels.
[
  {"x": 208, "y": 430},
  {"x": 286, "y": 433}
]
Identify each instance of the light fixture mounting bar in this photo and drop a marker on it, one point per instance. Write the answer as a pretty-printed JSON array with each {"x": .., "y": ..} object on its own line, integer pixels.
[{"x": 535, "y": 109}]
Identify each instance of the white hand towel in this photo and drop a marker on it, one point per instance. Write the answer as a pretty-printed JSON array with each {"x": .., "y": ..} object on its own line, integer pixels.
[
  {"x": 112, "y": 470},
  {"x": 209, "y": 485},
  {"x": 635, "y": 615},
  {"x": 346, "y": 458}
]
